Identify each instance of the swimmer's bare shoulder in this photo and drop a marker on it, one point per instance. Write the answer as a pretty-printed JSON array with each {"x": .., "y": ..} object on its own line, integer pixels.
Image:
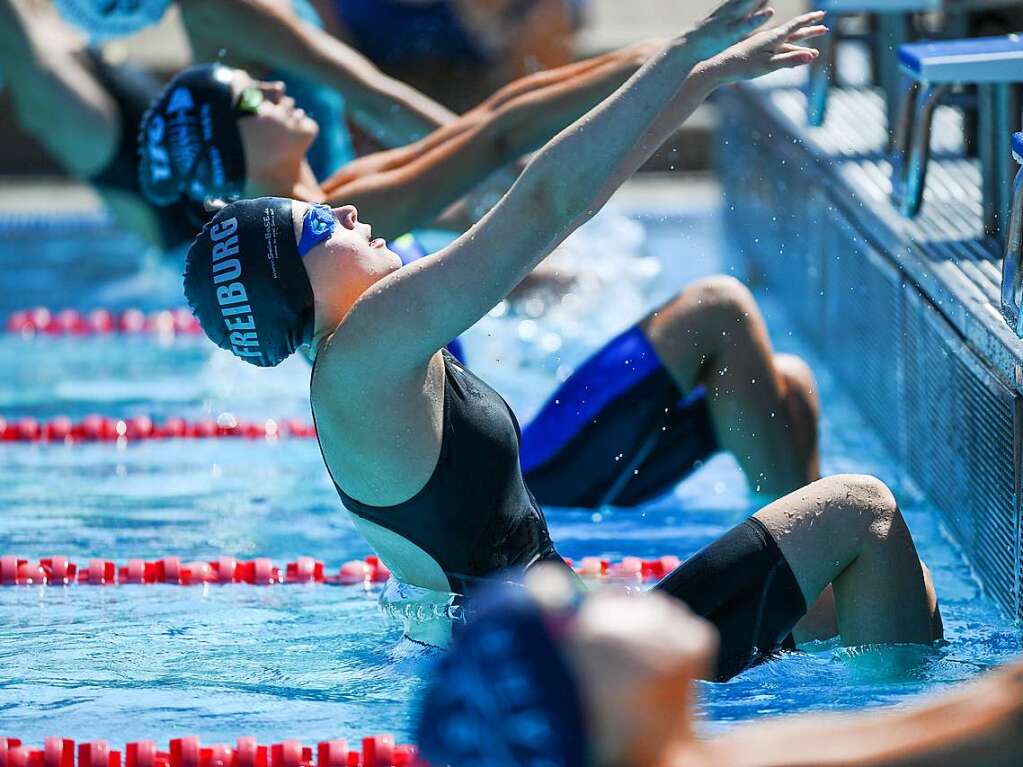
[{"x": 380, "y": 433}]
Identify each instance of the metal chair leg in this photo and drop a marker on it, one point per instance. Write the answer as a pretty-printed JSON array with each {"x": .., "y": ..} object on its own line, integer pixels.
[
  {"x": 818, "y": 83},
  {"x": 902, "y": 138},
  {"x": 1012, "y": 280},
  {"x": 914, "y": 156}
]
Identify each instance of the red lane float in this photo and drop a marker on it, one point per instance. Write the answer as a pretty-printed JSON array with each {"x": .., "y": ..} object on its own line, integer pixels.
[
  {"x": 376, "y": 751},
  {"x": 71, "y": 322},
  {"x": 97, "y": 428},
  {"x": 60, "y": 571}
]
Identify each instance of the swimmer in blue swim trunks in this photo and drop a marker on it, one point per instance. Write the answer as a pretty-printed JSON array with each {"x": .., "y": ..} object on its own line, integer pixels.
[
  {"x": 695, "y": 377},
  {"x": 425, "y": 455}
]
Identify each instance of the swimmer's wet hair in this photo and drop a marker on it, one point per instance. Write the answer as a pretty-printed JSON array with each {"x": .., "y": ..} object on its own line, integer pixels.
[{"x": 189, "y": 143}]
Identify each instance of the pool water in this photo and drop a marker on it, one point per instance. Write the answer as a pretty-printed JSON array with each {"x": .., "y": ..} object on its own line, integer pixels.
[{"x": 312, "y": 663}]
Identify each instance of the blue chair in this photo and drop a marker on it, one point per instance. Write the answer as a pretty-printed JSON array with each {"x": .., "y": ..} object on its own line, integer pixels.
[
  {"x": 1012, "y": 280},
  {"x": 935, "y": 69},
  {"x": 893, "y": 30}
]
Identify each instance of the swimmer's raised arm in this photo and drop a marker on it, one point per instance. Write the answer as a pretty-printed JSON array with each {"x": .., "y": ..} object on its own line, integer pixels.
[
  {"x": 555, "y": 96},
  {"x": 266, "y": 33},
  {"x": 566, "y": 183},
  {"x": 407, "y": 186}
]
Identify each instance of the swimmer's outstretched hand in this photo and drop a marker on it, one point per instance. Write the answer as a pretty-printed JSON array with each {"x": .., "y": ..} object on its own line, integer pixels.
[
  {"x": 769, "y": 50},
  {"x": 730, "y": 22}
]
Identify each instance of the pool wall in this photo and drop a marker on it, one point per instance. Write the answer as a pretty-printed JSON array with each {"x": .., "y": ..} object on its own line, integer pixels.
[{"x": 905, "y": 312}]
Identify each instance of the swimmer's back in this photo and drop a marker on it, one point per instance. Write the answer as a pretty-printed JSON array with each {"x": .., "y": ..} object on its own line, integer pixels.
[{"x": 471, "y": 516}]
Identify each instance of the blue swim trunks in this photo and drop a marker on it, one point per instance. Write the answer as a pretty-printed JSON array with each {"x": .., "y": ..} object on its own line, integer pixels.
[{"x": 618, "y": 431}]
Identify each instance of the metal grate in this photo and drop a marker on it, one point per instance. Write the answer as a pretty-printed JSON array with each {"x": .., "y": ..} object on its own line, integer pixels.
[
  {"x": 863, "y": 320},
  {"x": 961, "y": 451}
]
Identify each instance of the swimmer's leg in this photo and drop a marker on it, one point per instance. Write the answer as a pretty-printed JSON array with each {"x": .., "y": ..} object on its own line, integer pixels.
[
  {"x": 55, "y": 96},
  {"x": 763, "y": 406},
  {"x": 848, "y": 531},
  {"x": 756, "y": 581}
]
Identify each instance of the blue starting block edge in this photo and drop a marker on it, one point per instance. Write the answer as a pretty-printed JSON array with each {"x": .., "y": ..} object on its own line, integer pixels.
[
  {"x": 1017, "y": 147},
  {"x": 979, "y": 60}
]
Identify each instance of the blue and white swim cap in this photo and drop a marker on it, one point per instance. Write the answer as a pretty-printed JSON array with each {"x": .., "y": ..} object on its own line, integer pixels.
[{"x": 105, "y": 19}]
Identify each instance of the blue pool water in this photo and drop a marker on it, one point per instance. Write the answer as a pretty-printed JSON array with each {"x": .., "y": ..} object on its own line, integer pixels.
[{"x": 315, "y": 662}]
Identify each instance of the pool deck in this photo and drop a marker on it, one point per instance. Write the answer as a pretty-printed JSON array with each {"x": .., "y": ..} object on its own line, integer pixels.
[{"x": 908, "y": 311}]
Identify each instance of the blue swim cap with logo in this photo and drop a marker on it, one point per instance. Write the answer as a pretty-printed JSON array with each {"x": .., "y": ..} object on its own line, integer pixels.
[
  {"x": 189, "y": 142},
  {"x": 246, "y": 283},
  {"x": 105, "y": 19}
]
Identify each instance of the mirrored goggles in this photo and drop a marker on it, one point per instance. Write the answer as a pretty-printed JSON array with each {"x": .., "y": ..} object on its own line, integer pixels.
[{"x": 318, "y": 224}]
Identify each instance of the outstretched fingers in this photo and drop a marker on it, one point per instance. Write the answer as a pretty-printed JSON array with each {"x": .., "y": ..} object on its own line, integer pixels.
[
  {"x": 805, "y": 20},
  {"x": 808, "y": 33},
  {"x": 796, "y": 57}
]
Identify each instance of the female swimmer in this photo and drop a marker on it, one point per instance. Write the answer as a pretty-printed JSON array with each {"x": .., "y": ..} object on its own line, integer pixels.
[
  {"x": 542, "y": 677},
  {"x": 426, "y": 456},
  {"x": 696, "y": 376}
]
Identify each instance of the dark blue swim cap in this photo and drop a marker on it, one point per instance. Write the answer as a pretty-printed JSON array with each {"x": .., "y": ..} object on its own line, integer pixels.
[
  {"x": 103, "y": 19},
  {"x": 189, "y": 143},
  {"x": 504, "y": 695},
  {"x": 247, "y": 285}
]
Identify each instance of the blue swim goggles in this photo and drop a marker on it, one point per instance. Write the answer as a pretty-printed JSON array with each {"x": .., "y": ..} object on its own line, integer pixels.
[{"x": 318, "y": 224}]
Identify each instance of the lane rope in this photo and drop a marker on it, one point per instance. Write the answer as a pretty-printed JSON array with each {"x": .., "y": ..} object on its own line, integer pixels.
[
  {"x": 98, "y": 428},
  {"x": 61, "y": 571},
  {"x": 71, "y": 322},
  {"x": 375, "y": 751}
]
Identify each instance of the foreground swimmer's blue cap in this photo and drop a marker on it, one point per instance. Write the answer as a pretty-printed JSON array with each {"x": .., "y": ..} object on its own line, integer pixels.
[
  {"x": 503, "y": 695},
  {"x": 246, "y": 283},
  {"x": 189, "y": 142},
  {"x": 104, "y": 19}
]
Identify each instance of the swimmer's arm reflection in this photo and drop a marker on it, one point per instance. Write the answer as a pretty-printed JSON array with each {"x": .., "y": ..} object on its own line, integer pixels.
[{"x": 266, "y": 32}]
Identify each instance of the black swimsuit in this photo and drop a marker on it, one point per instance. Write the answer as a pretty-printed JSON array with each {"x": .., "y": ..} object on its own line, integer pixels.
[{"x": 475, "y": 516}]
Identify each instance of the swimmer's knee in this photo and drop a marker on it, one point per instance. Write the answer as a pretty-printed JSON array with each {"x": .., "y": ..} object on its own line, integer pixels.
[
  {"x": 869, "y": 498},
  {"x": 797, "y": 373},
  {"x": 723, "y": 294},
  {"x": 718, "y": 302}
]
